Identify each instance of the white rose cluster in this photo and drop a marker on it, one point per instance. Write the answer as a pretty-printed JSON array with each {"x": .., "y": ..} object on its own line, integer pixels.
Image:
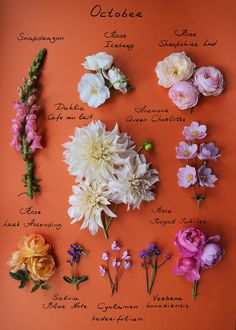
[
  {"x": 108, "y": 171},
  {"x": 95, "y": 87}
]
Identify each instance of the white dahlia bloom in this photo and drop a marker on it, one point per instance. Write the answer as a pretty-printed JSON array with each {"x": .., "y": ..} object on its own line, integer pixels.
[
  {"x": 117, "y": 79},
  {"x": 93, "y": 90},
  {"x": 99, "y": 61},
  {"x": 88, "y": 202},
  {"x": 134, "y": 182},
  {"x": 96, "y": 153}
]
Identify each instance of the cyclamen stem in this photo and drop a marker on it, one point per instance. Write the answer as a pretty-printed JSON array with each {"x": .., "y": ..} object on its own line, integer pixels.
[{"x": 195, "y": 289}]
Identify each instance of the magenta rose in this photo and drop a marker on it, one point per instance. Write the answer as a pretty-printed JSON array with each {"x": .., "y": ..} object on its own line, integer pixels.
[
  {"x": 184, "y": 95},
  {"x": 211, "y": 255},
  {"x": 209, "y": 81},
  {"x": 190, "y": 242},
  {"x": 188, "y": 267}
]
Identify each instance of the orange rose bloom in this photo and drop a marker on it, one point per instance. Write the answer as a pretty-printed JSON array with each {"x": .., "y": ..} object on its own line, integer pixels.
[
  {"x": 33, "y": 245},
  {"x": 41, "y": 268}
]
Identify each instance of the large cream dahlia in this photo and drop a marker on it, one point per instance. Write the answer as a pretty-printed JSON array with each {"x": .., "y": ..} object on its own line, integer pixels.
[
  {"x": 95, "y": 153},
  {"x": 88, "y": 202},
  {"x": 134, "y": 183}
]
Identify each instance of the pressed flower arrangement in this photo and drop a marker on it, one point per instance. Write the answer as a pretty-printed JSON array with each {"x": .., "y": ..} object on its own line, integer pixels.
[
  {"x": 196, "y": 174},
  {"x": 96, "y": 87},
  {"x": 75, "y": 253},
  {"x": 179, "y": 73},
  {"x": 120, "y": 265},
  {"x": 109, "y": 172},
  {"x": 33, "y": 261},
  {"x": 198, "y": 253},
  {"x": 26, "y": 139}
]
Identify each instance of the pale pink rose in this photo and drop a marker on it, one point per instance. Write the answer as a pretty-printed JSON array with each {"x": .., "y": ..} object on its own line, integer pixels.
[
  {"x": 190, "y": 242},
  {"x": 188, "y": 267},
  {"x": 211, "y": 255},
  {"x": 184, "y": 95},
  {"x": 209, "y": 81}
]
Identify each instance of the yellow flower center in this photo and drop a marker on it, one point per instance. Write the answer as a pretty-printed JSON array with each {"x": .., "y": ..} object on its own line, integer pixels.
[
  {"x": 92, "y": 198},
  {"x": 181, "y": 95},
  {"x": 99, "y": 152},
  {"x": 186, "y": 153},
  {"x": 195, "y": 133},
  {"x": 189, "y": 177},
  {"x": 93, "y": 91}
]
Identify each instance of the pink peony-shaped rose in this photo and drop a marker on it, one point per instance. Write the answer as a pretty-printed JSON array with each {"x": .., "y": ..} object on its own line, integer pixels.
[
  {"x": 184, "y": 95},
  {"x": 211, "y": 255},
  {"x": 209, "y": 81},
  {"x": 189, "y": 267},
  {"x": 190, "y": 242}
]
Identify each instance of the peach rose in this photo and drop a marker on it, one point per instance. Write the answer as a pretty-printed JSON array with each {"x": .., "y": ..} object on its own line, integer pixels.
[
  {"x": 33, "y": 245},
  {"x": 41, "y": 268},
  {"x": 17, "y": 261}
]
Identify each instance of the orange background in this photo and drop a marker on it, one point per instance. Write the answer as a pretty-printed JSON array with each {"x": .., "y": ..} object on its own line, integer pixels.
[{"x": 84, "y": 35}]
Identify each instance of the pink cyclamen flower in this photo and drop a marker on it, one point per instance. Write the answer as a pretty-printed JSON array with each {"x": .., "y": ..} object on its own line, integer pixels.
[
  {"x": 190, "y": 242},
  {"x": 209, "y": 151},
  {"x": 188, "y": 267},
  {"x": 116, "y": 263},
  {"x": 127, "y": 265},
  {"x": 206, "y": 177},
  {"x": 211, "y": 255},
  {"x": 126, "y": 256},
  {"x": 186, "y": 151},
  {"x": 105, "y": 256},
  {"x": 115, "y": 246},
  {"x": 187, "y": 176},
  {"x": 209, "y": 81},
  {"x": 184, "y": 95},
  {"x": 102, "y": 270},
  {"x": 195, "y": 131}
]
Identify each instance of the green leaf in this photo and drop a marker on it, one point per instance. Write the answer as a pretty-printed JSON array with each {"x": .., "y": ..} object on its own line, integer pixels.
[
  {"x": 23, "y": 283},
  {"x": 17, "y": 276},
  {"x": 25, "y": 274},
  {"x": 82, "y": 279},
  {"x": 67, "y": 279},
  {"x": 46, "y": 287},
  {"x": 36, "y": 287}
]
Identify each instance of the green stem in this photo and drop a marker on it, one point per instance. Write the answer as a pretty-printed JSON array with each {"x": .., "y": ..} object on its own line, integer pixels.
[
  {"x": 105, "y": 230},
  {"x": 195, "y": 289},
  {"x": 154, "y": 271},
  {"x": 74, "y": 276},
  {"x": 146, "y": 275},
  {"x": 28, "y": 166}
]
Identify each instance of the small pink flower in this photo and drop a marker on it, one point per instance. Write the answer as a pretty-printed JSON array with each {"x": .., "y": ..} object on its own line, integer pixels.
[
  {"x": 190, "y": 241},
  {"x": 188, "y": 267},
  {"x": 209, "y": 81},
  {"x": 211, "y": 255},
  {"x": 126, "y": 256},
  {"x": 102, "y": 270},
  {"x": 116, "y": 263},
  {"x": 36, "y": 144},
  {"x": 115, "y": 246},
  {"x": 187, "y": 176},
  {"x": 127, "y": 264},
  {"x": 105, "y": 256},
  {"x": 184, "y": 95}
]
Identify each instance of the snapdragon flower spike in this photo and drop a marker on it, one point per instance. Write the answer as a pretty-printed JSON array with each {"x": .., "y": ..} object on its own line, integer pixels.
[
  {"x": 25, "y": 138},
  {"x": 196, "y": 176},
  {"x": 150, "y": 257}
]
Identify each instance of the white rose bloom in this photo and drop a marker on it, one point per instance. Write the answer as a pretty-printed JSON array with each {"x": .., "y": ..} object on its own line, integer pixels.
[
  {"x": 117, "y": 79},
  {"x": 173, "y": 68},
  {"x": 92, "y": 89},
  {"x": 88, "y": 202},
  {"x": 134, "y": 183},
  {"x": 96, "y": 153},
  {"x": 99, "y": 61}
]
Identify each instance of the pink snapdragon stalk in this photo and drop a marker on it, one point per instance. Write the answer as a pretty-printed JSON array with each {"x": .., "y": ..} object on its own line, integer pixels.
[{"x": 24, "y": 128}]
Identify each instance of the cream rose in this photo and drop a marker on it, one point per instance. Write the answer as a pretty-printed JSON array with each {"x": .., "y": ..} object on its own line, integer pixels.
[
  {"x": 33, "y": 245},
  {"x": 99, "y": 61},
  {"x": 17, "y": 261},
  {"x": 118, "y": 79},
  {"x": 173, "y": 68},
  {"x": 41, "y": 268}
]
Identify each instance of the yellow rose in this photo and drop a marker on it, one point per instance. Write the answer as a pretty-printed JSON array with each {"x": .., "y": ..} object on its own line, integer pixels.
[
  {"x": 41, "y": 268},
  {"x": 33, "y": 245},
  {"x": 17, "y": 261}
]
